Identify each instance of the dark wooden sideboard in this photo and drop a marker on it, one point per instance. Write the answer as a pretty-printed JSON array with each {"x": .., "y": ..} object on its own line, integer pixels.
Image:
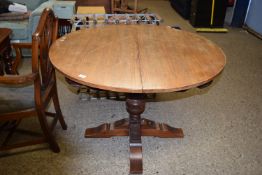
[{"x": 105, "y": 3}]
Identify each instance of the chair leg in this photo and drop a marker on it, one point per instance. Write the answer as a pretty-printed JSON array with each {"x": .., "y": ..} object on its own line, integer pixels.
[
  {"x": 11, "y": 132},
  {"x": 47, "y": 132},
  {"x": 58, "y": 109}
]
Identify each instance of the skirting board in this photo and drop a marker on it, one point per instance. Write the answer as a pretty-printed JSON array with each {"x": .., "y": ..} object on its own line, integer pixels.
[{"x": 252, "y": 31}]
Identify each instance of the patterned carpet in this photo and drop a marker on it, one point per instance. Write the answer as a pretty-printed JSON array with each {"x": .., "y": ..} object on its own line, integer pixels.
[{"x": 222, "y": 123}]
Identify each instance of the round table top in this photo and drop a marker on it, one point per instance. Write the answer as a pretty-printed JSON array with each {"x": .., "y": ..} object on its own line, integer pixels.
[{"x": 137, "y": 58}]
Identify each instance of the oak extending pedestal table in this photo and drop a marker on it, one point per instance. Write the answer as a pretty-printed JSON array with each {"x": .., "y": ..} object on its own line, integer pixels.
[{"x": 137, "y": 59}]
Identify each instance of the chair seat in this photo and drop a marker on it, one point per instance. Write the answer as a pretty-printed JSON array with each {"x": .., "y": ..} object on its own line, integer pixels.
[
  {"x": 14, "y": 99},
  {"x": 19, "y": 28}
]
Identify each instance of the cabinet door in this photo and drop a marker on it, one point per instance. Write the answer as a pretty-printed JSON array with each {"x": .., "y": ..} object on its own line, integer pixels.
[
  {"x": 219, "y": 13},
  {"x": 201, "y": 13},
  {"x": 203, "y": 16}
]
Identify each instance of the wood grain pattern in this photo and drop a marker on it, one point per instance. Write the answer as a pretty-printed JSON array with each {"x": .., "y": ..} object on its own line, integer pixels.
[{"x": 137, "y": 58}]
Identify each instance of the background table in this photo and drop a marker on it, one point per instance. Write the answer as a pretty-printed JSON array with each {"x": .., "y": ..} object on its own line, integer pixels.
[
  {"x": 5, "y": 51},
  {"x": 137, "y": 59}
]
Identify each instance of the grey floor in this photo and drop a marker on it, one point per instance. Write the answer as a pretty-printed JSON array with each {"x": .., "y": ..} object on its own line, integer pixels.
[{"x": 222, "y": 124}]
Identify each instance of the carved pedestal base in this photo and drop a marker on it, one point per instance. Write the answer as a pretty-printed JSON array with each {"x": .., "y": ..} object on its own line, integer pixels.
[
  {"x": 121, "y": 128},
  {"x": 134, "y": 127}
]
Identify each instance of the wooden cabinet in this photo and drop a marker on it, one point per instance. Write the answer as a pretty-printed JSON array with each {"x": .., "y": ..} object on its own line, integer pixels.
[
  {"x": 182, "y": 7},
  {"x": 208, "y": 13},
  {"x": 105, "y": 3}
]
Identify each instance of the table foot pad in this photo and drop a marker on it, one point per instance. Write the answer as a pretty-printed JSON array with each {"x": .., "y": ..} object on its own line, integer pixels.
[{"x": 136, "y": 159}]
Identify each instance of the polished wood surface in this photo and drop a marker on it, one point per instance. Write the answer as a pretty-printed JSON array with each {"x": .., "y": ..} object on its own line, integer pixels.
[
  {"x": 5, "y": 51},
  {"x": 137, "y": 58}
]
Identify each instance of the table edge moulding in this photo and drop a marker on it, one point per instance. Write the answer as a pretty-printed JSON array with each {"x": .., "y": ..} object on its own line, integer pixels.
[{"x": 135, "y": 81}]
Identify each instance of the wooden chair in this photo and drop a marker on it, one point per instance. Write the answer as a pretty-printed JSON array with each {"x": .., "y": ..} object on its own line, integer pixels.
[{"x": 40, "y": 84}]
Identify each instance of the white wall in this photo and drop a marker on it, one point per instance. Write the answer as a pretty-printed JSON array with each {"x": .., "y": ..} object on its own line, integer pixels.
[{"x": 254, "y": 16}]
